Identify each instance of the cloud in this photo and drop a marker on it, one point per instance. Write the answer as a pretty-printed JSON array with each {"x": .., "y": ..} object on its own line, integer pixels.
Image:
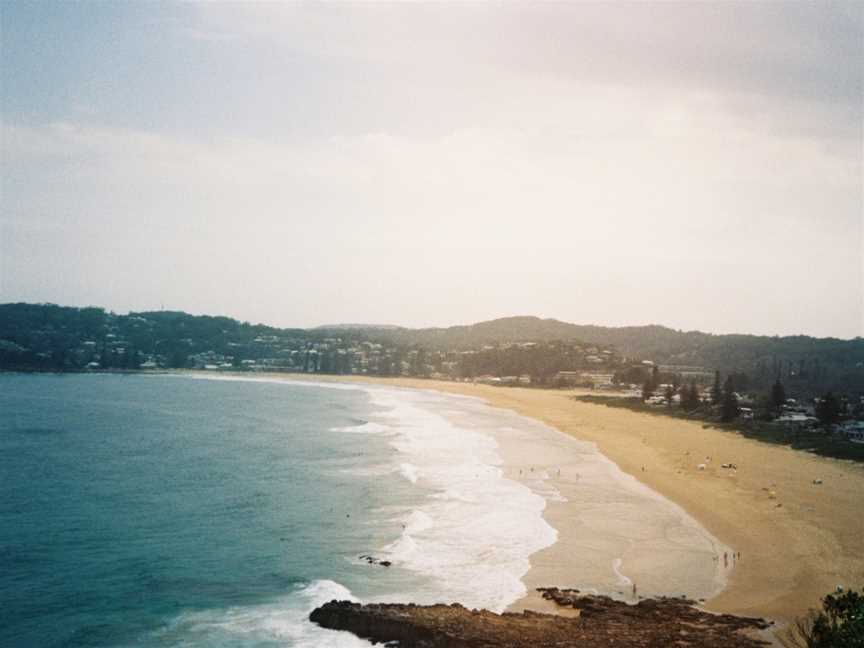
[
  {"x": 426, "y": 165},
  {"x": 785, "y": 66}
]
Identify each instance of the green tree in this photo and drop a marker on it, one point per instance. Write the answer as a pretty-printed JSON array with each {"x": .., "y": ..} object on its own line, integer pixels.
[
  {"x": 133, "y": 359},
  {"x": 669, "y": 395},
  {"x": 741, "y": 380},
  {"x": 689, "y": 397},
  {"x": 840, "y": 623},
  {"x": 58, "y": 358},
  {"x": 647, "y": 390},
  {"x": 730, "y": 409},
  {"x": 828, "y": 409},
  {"x": 178, "y": 360},
  {"x": 106, "y": 358},
  {"x": 778, "y": 396},
  {"x": 716, "y": 391}
]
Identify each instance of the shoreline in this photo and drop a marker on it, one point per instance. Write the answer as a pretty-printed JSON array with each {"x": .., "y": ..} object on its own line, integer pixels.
[
  {"x": 798, "y": 541},
  {"x": 613, "y": 532}
]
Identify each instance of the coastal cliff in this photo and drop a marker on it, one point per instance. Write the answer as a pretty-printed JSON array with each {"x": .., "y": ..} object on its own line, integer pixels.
[{"x": 601, "y": 623}]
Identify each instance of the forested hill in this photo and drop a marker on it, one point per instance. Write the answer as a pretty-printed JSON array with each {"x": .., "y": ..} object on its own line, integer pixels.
[
  {"x": 801, "y": 358},
  {"x": 48, "y": 336},
  {"x": 659, "y": 343}
]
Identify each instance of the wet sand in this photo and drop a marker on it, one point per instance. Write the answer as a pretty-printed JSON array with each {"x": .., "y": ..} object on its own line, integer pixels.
[
  {"x": 614, "y": 532},
  {"x": 797, "y": 540}
]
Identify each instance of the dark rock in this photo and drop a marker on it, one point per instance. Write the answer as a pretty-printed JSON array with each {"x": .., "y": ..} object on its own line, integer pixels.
[{"x": 603, "y": 623}]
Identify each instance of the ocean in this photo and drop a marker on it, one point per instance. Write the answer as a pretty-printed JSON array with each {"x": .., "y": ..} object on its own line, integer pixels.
[{"x": 164, "y": 510}]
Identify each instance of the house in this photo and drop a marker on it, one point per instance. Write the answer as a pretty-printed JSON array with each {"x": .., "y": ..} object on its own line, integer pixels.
[
  {"x": 854, "y": 431},
  {"x": 597, "y": 379},
  {"x": 568, "y": 378},
  {"x": 796, "y": 420}
]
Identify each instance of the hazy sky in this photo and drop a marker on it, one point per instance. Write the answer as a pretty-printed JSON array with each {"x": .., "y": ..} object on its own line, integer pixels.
[{"x": 696, "y": 165}]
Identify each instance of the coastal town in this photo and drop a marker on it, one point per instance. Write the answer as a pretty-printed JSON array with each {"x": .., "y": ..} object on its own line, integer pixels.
[{"x": 54, "y": 338}]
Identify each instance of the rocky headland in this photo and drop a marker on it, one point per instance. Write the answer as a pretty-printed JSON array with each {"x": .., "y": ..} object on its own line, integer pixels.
[{"x": 600, "y": 622}]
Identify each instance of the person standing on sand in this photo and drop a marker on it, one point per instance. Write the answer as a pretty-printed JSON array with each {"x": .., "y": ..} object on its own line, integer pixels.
[{"x": 634, "y": 589}]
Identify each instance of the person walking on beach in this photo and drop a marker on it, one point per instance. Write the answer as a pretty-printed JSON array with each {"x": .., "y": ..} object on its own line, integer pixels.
[{"x": 634, "y": 589}]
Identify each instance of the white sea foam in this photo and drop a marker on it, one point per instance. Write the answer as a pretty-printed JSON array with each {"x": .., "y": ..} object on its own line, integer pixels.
[
  {"x": 472, "y": 536},
  {"x": 409, "y": 471},
  {"x": 622, "y": 579},
  {"x": 485, "y": 526},
  {"x": 282, "y": 622},
  {"x": 364, "y": 428},
  {"x": 474, "y": 533}
]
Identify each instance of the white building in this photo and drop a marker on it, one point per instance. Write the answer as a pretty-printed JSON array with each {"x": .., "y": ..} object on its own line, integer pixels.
[
  {"x": 796, "y": 420},
  {"x": 854, "y": 431}
]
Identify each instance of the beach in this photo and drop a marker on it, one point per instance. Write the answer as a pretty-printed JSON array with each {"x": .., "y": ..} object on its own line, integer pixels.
[{"x": 796, "y": 540}]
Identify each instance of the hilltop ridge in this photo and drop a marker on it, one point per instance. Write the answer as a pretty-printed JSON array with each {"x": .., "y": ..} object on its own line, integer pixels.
[
  {"x": 727, "y": 352},
  {"x": 47, "y": 336}
]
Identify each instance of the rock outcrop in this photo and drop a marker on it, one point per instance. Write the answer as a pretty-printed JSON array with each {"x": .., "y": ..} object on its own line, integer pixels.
[{"x": 602, "y": 623}]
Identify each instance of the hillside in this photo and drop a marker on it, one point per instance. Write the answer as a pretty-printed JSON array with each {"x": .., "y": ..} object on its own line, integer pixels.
[
  {"x": 48, "y": 336},
  {"x": 806, "y": 362},
  {"x": 659, "y": 343}
]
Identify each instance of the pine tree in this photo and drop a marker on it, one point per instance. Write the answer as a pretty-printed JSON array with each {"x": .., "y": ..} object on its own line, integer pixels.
[
  {"x": 685, "y": 398},
  {"x": 178, "y": 360},
  {"x": 133, "y": 359},
  {"x": 716, "y": 392},
  {"x": 695, "y": 399},
  {"x": 669, "y": 395},
  {"x": 689, "y": 397},
  {"x": 730, "y": 408},
  {"x": 778, "y": 396},
  {"x": 647, "y": 390},
  {"x": 828, "y": 409},
  {"x": 106, "y": 359}
]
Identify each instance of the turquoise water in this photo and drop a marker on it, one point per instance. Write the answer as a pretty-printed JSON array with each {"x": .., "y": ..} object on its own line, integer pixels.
[
  {"x": 128, "y": 501},
  {"x": 171, "y": 511}
]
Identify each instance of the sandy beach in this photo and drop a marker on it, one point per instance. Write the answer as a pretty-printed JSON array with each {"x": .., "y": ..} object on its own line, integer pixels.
[{"x": 797, "y": 540}]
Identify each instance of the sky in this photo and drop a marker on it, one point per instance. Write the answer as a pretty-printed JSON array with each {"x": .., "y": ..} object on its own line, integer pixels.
[{"x": 697, "y": 165}]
